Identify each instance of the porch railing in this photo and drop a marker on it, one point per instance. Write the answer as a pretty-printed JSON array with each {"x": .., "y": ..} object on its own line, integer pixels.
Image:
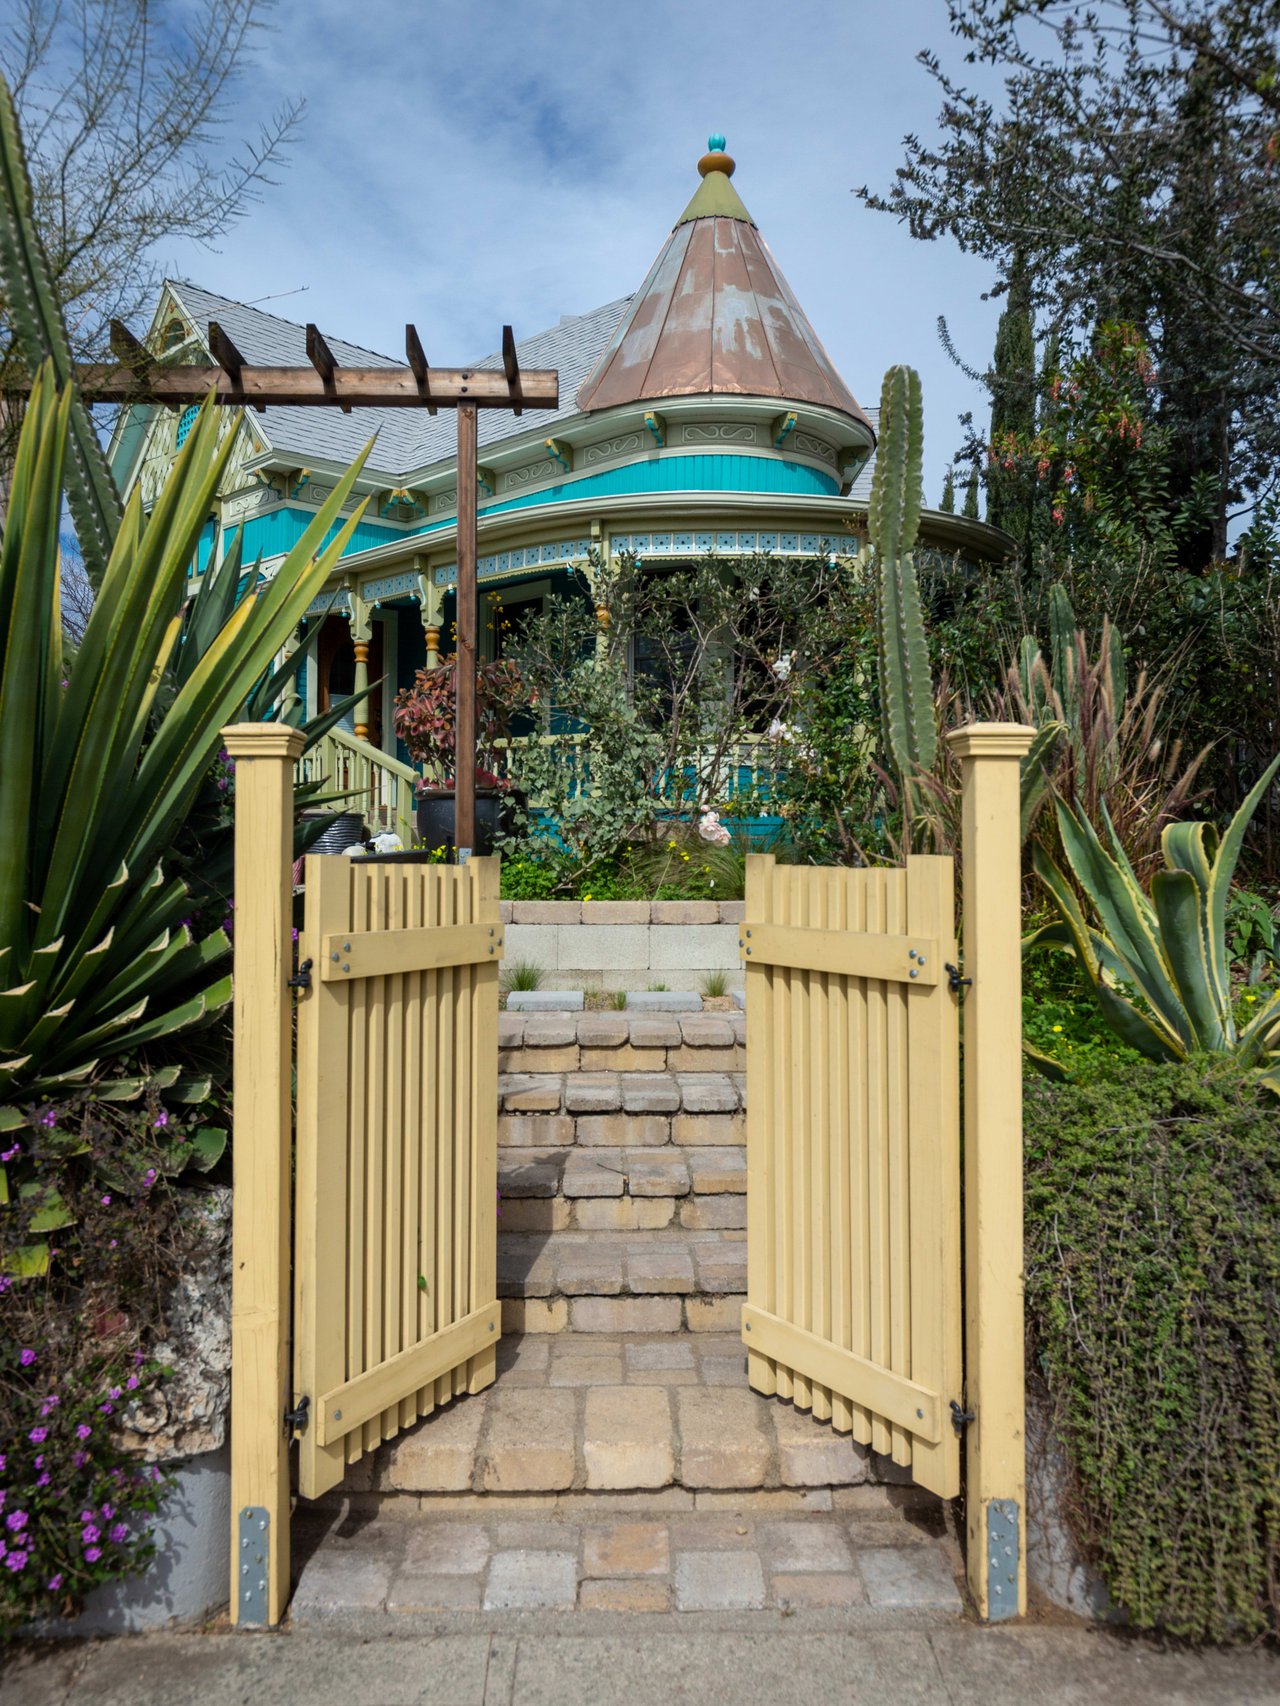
[
  {"x": 743, "y": 770},
  {"x": 380, "y": 787}
]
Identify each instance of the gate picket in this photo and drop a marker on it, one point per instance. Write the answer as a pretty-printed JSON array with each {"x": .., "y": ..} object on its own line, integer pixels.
[
  {"x": 853, "y": 1251},
  {"x": 395, "y": 1275}
]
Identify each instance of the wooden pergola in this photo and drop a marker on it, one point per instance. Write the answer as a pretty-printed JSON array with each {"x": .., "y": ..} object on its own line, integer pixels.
[{"x": 138, "y": 377}]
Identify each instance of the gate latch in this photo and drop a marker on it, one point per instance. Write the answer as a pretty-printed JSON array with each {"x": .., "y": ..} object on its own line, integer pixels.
[
  {"x": 958, "y": 984},
  {"x": 295, "y": 1421},
  {"x": 960, "y": 1419},
  {"x": 302, "y": 979}
]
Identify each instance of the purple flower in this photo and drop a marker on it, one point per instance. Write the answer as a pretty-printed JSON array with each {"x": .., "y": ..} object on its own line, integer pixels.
[
  {"x": 112, "y": 1244},
  {"x": 106, "y": 1201},
  {"x": 107, "y": 1511},
  {"x": 92, "y": 1554},
  {"x": 40, "y": 1461},
  {"x": 37, "y": 1436},
  {"x": 89, "y": 1534},
  {"x": 113, "y": 1392},
  {"x": 83, "y": 1431},
  {"x": 4, "y": 1462},
  {"x": 161, "y": 1121},
  {"x": 16, "y": 1561},
  {"x": 132, "y": 1383},
  {"x": 80, "y": 1459},
  {"x": 51, "y": 1403},
  {"x": 26, "y": 1356},
  {"x": 5, "y": 1283},
  {"x": 8, "y": 1155},
  {"x": 48, "y": 1118},
  {"x": 137, "y": 1359},
  {"x": 107, "y": 1409},
  {"x": 54, "y": 1582},
  {"x": 120, "y": 1533},
  {"x": 42, "y": 1480},
  {"x": 148, "y": 1178},
  {"x": 86, "y": 1516},
  {"x": 16, "y": 1521}
]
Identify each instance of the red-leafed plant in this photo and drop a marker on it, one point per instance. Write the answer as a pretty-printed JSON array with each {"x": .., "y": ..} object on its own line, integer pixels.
[{"x": 426, "y": 717}]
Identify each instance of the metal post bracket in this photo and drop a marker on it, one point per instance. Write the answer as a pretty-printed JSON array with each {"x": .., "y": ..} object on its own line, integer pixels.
[{"x": 253, "y": 1575}]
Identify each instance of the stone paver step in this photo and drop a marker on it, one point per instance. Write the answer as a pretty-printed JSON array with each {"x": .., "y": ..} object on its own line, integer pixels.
[
  {"x": 617, "y": 1413},
  {"x": 661, "y": 1093},
  {"x": 582, "y": 1560},
  {"x": 635, "y": 1264},
  {"x": 601, "y": 1189}
]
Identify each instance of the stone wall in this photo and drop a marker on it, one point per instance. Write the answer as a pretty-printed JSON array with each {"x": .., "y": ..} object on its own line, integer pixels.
[{"x": 625, "y": 944}]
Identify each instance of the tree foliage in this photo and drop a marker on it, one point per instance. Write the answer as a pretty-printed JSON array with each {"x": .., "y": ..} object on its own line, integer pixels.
[{"x": 1130, "y": 164}]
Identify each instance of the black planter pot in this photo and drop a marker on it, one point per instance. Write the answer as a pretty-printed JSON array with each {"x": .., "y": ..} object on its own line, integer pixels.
[{"x": 495, "y": 816}]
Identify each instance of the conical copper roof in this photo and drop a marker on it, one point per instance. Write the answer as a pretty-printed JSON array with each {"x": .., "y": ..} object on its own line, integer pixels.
[{"x": 716, "y": 316}]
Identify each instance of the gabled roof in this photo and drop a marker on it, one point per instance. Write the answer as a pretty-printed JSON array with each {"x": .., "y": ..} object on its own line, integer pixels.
[
  {"x": 408, "y": 439},
  {"x": 715, "y": 315}
]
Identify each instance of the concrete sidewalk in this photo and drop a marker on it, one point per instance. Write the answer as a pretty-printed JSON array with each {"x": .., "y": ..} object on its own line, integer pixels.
[{"x": 771, "y": 1660}]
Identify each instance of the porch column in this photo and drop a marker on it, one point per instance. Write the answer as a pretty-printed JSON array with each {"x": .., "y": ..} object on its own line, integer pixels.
[
  {"x": 431, "y": 609},
  {"x": 990, "y": 757},
  {"x": 291, "y": 699},
  {"x": 361, "y": 619}
]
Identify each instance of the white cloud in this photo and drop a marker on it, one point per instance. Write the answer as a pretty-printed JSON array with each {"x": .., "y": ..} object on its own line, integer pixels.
[{"x": 463, "y": 164}]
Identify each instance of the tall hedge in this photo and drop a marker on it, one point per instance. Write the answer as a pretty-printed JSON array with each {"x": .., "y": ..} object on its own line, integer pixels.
[{"x": 1153, "y": 1288}]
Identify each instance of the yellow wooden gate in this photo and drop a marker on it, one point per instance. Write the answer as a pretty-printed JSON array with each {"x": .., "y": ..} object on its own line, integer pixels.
[
  {"x": 395, "y": 1252},
  {"x": 853, "y": 1154}
]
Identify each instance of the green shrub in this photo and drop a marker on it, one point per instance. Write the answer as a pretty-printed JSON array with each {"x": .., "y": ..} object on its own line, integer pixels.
[
  {"x": 1153, "y": 1290},
  {"x": 715, "y": 984}
]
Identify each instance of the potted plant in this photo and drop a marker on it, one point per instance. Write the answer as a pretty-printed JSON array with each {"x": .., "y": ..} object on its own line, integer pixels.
[{"x": 426, "y": 721}]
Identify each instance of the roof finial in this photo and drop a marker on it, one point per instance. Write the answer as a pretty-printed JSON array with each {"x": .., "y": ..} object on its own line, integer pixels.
[{"x": 715, "y": 159}]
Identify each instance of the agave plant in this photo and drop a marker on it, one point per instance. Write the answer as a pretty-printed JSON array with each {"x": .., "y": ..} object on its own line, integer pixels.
[
  {"x": 98, "y": 770},
  {"x": 1116, "y": 741},
  {"x": 1168, "y": 948}
]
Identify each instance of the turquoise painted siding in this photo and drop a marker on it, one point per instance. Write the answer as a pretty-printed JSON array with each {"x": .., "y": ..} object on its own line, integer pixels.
[
  {"x": 279, "y": 531},
  {"x": 272, "y": 534},
  {"x": 684, "y": 474}
]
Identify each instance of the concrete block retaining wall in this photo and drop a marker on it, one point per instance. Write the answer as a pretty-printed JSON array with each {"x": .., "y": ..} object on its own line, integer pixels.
[{"x": 625, "y": 944}]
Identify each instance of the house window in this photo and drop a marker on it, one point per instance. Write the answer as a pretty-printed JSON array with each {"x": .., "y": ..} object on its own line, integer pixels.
[{"x": 186, "y": 420}]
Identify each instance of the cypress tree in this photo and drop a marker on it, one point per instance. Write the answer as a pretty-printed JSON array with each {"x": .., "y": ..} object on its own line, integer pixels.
[
  {"x": 1013, "y": 403},
  {"x": 970, "y": 510},
  {"x": 948, "y": 504}
]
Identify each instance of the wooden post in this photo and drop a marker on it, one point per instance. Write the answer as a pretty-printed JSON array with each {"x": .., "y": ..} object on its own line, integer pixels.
[
  {"x": 464, "y": 770},
  {"x": 995, "y": 1441},
  {"x": 264, "y": 754}
]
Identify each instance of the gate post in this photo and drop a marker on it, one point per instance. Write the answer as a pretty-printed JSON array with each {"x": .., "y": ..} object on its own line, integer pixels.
[
  {"x": 264, "y": 754},
  {"x": 995, "y": 1379}
]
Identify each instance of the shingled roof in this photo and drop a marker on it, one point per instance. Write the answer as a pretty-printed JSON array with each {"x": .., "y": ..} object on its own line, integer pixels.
[{"x": 408, "y": 439}]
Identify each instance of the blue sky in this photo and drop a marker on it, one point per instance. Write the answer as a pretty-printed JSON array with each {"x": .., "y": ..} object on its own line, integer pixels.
[{"x": 469, "y": 162}]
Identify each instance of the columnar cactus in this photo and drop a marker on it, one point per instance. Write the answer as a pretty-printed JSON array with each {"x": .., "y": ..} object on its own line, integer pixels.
[
  {"x": 42, "y": 336},
  {"x": 906, "y": 687}
]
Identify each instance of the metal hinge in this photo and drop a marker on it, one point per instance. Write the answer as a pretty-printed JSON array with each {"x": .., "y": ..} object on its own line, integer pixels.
[
  {"x": 296, "y": 1420},
  {"x": 302, "y": 978},
  {"x": 960, "y": 1418},
  {"x": 958, "y": 984}
]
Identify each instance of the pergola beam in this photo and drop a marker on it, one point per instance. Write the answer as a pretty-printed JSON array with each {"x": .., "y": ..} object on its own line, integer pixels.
[
  {"x": 416, "y": 357},
  {"x": 511, "y": 367},
  {"x": 233, "y": 381},
  {"x": 325, "y": 363}
]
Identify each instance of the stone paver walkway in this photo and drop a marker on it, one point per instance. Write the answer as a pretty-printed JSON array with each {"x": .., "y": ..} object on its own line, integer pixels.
[{"x": 880, "y": 1549}]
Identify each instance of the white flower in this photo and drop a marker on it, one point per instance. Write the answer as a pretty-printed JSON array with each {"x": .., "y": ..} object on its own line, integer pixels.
[
  {"x": 782, "y": 666},
  {"x": 711, "y": 829},
  {"x": 388, "y": 842}
]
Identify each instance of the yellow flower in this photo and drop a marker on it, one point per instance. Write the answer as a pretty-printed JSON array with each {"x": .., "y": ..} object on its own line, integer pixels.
[
  {"x": 1251, "y": 997},
  {"x": 1057, "y": 1027},
  {"x": 586, "y": 897}
]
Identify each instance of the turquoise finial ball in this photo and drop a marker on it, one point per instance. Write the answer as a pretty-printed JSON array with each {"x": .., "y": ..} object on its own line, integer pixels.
[{"x": 715, "y": 142}]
